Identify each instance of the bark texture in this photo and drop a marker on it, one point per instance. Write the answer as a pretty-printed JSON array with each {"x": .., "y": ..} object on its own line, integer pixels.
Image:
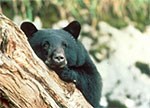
[{"x": 25, "y": 81}]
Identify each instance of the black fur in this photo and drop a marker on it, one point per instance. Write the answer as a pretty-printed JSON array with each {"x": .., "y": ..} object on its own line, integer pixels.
[{"x": 62, "y": 52}]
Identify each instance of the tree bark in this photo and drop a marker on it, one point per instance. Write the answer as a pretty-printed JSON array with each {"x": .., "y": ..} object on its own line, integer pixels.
[{"x": 25, "y": 81}]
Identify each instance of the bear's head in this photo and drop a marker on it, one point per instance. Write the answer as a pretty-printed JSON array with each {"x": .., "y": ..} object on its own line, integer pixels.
[{"x": 57, "y": 48}]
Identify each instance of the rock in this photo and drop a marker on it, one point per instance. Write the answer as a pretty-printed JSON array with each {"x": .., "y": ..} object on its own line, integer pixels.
[
  {"x": 122, "y": 80},
  {"x": 60, "y": 24}
]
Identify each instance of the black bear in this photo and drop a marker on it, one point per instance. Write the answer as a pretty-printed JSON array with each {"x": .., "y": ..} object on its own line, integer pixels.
[{"x": 62, "y": 52}]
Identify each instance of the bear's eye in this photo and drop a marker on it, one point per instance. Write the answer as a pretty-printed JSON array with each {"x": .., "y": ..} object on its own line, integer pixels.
[
  {"x": 64, "y": 44},
  {"x": 46, "y": 45}
]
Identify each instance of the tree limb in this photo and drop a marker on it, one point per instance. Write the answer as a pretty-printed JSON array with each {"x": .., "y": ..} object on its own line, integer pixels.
[{"x": 25, "y": 81}]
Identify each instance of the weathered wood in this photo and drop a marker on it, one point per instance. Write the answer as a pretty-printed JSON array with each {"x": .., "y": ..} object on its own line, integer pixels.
[{"x": 25, "y": 81}]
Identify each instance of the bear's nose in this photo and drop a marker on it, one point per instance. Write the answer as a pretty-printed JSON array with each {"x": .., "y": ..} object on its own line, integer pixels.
[{"x": 58, "y": 58}]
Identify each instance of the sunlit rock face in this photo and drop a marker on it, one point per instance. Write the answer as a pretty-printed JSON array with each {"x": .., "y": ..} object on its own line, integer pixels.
[{"x": 123, "y": 79}]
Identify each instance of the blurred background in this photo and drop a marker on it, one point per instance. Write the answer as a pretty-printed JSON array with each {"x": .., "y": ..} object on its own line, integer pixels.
[{"x": 115, "y": 32}]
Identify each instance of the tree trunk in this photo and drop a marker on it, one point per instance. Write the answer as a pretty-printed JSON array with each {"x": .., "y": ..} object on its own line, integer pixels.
[{"x": 25, "y": 81}]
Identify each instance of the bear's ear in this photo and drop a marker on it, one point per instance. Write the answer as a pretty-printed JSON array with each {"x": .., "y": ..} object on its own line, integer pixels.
[
  {"x": 28, "y": 28},
  {"x": 74, "y": 28}
]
